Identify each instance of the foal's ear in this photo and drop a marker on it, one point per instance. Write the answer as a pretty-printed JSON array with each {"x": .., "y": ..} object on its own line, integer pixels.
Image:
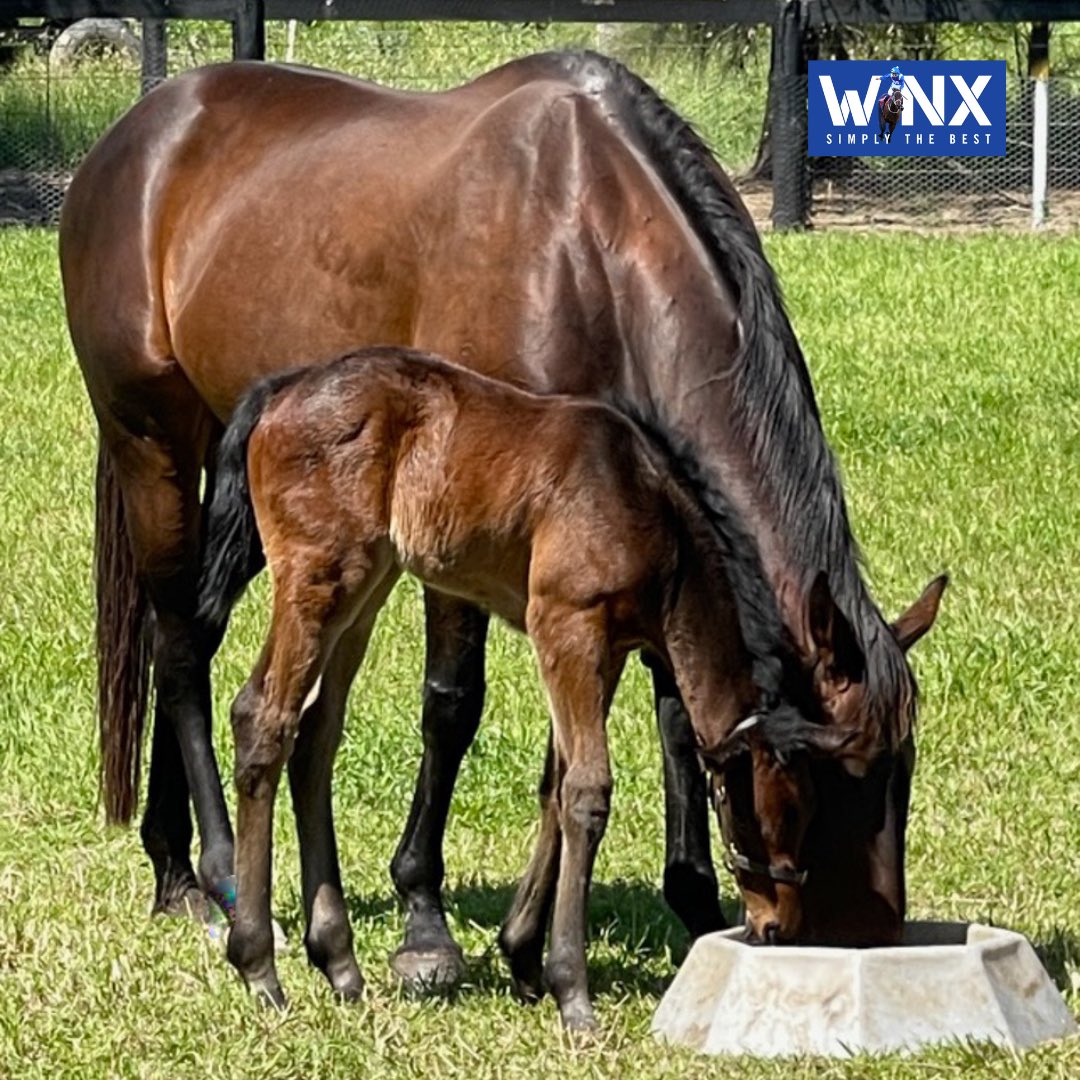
[
  {"x": 736, "y": 742},
  {"x": 830, "y": 632},
  {"x": 831, "y": 740},
  {"x": 918, "y": 618}
]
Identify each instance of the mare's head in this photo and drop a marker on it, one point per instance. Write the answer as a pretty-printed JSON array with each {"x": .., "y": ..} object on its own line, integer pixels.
[{"x": 812, "y": 803}]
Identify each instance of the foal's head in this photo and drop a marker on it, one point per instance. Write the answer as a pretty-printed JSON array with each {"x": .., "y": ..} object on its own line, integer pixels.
[
  {"x": 767, "y": 774},
  {"x": 802, "y": 784},
  {"x": 764, "y": 790}
]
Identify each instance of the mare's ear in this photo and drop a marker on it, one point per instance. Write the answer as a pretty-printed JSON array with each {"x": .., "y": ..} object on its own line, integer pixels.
[
  {"x": 830, "y": 632},
  {"x": 918, "y": 618}
]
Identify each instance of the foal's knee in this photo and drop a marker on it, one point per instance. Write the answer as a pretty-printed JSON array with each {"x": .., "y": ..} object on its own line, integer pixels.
[
  {"x": 585, "y": 801},
  {"x": 262, "y": 738}
]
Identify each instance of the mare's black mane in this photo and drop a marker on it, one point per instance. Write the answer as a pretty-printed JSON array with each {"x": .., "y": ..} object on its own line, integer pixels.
[{"x": 775, "y": 411}]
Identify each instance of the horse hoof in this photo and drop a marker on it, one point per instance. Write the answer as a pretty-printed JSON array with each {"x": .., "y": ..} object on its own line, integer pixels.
[
  {"x": 268, "y": 993},
  {"x": 350, "y": 988},
  {"x": 579, "y": 1023},
  {"x": 527, "y": 978},
  {"x": 429, "y": 971},
  {"x": 191, "y": 903},
  {"x": 281, "y": 942}
]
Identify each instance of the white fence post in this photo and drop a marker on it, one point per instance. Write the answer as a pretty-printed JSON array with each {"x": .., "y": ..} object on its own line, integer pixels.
[{"x": 1039, "y": 70}]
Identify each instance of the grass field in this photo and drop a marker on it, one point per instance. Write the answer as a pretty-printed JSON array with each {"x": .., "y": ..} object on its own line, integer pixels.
[{"x": 956, "y": 416}]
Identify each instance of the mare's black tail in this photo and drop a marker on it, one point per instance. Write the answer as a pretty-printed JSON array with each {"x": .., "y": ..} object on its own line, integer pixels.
[{"x": 232, "y": 552}]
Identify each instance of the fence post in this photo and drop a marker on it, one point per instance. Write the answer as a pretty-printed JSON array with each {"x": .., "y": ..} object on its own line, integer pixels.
[
  {"x": 155, "y": 53},
  {"x": 249, "y": 30},
  {"x": 791, "y": 192},
  {"x": 1039, "y": 70}
]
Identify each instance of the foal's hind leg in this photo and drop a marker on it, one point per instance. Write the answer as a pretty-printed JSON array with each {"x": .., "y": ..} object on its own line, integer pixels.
[
  {"x": 329, "y": 936},
  {"x": 522, "y": 936},
  {"x": 690, "y": 886},
  {"x": 317, "y": 595},
  {"x": 456, "y": 633}
]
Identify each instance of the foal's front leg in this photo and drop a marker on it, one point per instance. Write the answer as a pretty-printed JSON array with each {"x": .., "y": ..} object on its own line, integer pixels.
[{"x": 580, "y": 675}]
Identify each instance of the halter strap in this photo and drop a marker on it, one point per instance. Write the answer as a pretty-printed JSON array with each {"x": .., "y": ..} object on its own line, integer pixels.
[
  {"x": 785, "y": 875},
  {"x": 736, "y": 860}
]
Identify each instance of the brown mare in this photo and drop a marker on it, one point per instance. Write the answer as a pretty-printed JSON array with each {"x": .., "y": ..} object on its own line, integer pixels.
[
  {"x": 551, "y": 512},
  {"x": 553, "y": 224}
]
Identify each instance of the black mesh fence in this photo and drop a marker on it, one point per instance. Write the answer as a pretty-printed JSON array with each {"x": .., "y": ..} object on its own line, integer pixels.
[
  {"x": 977, "y": 192},
  {"x": 54, "y": 107}
]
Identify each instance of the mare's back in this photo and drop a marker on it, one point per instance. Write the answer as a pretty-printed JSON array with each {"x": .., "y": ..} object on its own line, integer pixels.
[{"x": 278, "y": 212}]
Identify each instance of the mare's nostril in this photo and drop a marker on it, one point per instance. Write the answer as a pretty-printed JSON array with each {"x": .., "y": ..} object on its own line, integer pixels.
[{"x": 771, "y": 932}]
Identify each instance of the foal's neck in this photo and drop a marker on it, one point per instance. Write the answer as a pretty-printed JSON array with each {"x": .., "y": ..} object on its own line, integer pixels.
[{"x": 720, "y": 645}]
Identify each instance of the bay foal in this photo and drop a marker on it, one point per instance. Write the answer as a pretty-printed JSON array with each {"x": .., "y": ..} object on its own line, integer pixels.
[{"x": 557, "y": 515}]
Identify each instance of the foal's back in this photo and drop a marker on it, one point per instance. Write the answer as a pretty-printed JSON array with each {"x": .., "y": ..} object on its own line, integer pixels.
[{"x": 480, "y": 489}]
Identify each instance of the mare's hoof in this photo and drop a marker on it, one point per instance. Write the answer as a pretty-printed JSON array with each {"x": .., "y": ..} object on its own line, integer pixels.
[
  {"x": 429, "y": 971},
  {"x": 350, "y": 989},
  {"x": 579, "y": 1021},
  {"x": 189, "y": 903},
  {"x": 268, "y": 993}
]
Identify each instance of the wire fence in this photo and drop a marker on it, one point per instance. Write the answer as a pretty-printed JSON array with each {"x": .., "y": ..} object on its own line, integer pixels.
[
  {"x": 52, "y": 112},
  {"x": 962, "y": 192}
]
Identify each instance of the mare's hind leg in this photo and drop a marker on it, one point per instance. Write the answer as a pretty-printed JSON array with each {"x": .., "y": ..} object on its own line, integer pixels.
[
  {"x": 159, "y": 478},
  {"x": 329, "y": 939},
  {"x": 690, "y": 886},
  {"x": 453, "y": 701},
  {"x": 522, "y": 936}
]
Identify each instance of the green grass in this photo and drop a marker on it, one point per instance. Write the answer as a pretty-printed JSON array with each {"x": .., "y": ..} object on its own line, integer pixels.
[{"x": 955, "y": 410}]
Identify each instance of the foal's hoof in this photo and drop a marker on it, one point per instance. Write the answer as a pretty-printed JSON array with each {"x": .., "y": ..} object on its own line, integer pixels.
[
  {"x": 527, "y": 978},
  {"x": 429, "y": 971}
]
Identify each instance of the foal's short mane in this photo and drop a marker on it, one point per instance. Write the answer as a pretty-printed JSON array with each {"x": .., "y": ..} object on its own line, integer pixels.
[
  {"x": 715, "y": 523},
  {"x": 775, "y": 411}
]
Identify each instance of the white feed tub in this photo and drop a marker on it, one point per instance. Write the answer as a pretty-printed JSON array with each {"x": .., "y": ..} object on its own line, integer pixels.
[{"x": 946, "y": 982}]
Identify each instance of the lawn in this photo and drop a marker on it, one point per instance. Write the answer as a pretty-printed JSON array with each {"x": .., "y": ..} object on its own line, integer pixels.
[{"x": 954, "y": 407}]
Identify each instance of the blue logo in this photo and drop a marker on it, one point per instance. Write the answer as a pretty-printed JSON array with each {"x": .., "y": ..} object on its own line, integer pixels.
[{"x": 918, "y": 108}]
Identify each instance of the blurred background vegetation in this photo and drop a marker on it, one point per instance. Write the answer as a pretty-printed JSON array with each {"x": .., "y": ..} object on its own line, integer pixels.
[{"x": 717, "y": 76}]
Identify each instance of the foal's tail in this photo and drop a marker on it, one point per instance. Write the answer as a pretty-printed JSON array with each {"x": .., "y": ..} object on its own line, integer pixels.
[{"x": 232, "y": 552}]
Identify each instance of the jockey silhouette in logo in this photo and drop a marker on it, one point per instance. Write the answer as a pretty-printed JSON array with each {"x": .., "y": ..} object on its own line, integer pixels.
[{"x": 891, "y": 103}]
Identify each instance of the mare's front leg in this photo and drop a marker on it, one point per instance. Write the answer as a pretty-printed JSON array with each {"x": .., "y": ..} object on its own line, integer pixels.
[
  {"x": 690, "y": 886},
  {"x": 453, "y": 701},
  {"x": 580, "y": 674}
]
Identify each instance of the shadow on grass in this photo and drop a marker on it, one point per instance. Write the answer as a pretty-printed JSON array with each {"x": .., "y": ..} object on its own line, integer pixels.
[
  {"x": 630, "y": 928},
  {"x": 1059, "y": 951}
]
